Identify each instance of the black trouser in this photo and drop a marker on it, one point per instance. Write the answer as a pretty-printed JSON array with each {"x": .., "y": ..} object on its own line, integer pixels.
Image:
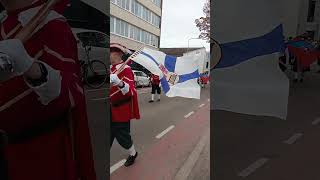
[
  {"x": 155, "y": 88},
  {"x": 121, "y": 132}
]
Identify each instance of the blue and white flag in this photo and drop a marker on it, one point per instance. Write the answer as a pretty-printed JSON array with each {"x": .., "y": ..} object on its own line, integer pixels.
[
  {"x": 178, "y": 75},
  {"x": 247, "y": 78}
]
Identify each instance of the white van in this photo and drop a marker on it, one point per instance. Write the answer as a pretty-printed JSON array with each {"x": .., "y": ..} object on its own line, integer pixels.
[{"x": 141, "y": 79}]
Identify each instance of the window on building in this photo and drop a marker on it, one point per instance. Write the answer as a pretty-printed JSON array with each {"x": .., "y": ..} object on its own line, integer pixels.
[
  {"x": 118, "y": 2},
  {"x": 112, "y": 25},
  {"x": 139, "y": 10},
  {"x": 157, "y": 2},
  {"x": 311, "y": 10},
  {"x": 125, "y": 29},
  {"x": 117, "y": 26}
]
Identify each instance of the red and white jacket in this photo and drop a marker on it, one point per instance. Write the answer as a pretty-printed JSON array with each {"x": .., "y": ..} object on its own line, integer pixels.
[
  {"x": 155, "y": 80},
  {"x": 38, "y": 119},
  {"x": 124, "y": 102}
]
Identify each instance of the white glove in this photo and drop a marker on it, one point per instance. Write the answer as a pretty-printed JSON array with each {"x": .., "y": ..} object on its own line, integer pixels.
[
  {"x": 20, "y": 59},
  {"x": 114, "y": 79}
]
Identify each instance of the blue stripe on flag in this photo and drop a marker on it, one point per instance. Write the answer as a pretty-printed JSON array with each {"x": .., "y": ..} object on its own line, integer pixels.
[
  {"x": 165, "y": 85},
  {"x": 237, "y": 52},
  {"x": 170, "y": 63},
  {"x": 150, "y": 57},
  {"x": 186, "y": 77}
]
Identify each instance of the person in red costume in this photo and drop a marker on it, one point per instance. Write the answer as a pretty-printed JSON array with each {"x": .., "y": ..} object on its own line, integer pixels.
[
  {"x": 123, "y": 99},
  {"x": 155, "y": 83},
  {"x": 42, "y": 103}
]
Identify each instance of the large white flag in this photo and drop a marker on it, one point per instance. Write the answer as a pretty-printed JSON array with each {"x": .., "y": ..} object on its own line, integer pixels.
[
  {"x": 247, "y": 78},
  {"x": 178, "y": 75}
]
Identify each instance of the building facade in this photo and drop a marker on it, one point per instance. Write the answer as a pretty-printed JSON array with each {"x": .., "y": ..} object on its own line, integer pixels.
[
  {"x": 300, "y": 17},
  {"x": 136, "y": 23}
]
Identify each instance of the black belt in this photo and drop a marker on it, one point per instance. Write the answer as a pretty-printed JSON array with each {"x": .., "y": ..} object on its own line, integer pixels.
[{"x": 121, "y": 102}]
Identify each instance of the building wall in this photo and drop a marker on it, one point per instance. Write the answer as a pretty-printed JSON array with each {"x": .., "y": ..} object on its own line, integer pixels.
[
  {"x": 290, "y": 17},
  {"x": 119, "y": 13},
  {"x": 295, "y": 18}
]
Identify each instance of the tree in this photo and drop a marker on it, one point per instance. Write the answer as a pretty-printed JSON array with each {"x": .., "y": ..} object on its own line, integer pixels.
[{"x": 203, "y": 23}]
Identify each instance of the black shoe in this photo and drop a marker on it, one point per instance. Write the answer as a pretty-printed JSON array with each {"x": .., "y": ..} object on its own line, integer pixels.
[
  {"x": 130, "y": 160},
  {"x": 158, "y": 100},
  {"x": 151, "y": 101}
]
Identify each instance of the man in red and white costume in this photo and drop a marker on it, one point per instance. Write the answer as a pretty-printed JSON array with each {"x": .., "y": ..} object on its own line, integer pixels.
[
  {"x": 42, "y": 104},
  {"x": 124, "y": 100},
  {"x": 155, "y": 83}
]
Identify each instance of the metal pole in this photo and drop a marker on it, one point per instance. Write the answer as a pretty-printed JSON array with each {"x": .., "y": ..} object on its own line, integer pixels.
[{"x": 189, "y": 42}]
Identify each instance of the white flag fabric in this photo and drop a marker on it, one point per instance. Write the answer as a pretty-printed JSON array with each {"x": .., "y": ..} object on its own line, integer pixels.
[
  {"x": 247, "y": 79},
  {"x": 178, "y": 75}
]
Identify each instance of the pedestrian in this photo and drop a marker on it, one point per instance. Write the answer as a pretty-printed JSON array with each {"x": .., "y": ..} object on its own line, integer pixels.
[
  {"x": 42, "y": 104},
  {"x": 124, "y": 101},
  {"x": 155, "y": 87}
]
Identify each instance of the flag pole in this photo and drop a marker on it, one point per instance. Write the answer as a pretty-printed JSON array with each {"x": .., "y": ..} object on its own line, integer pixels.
[{"x": 128, "y": 60}]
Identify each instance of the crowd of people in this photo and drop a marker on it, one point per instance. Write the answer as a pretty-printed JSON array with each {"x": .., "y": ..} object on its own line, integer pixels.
[{"x": 292, "y": 61}]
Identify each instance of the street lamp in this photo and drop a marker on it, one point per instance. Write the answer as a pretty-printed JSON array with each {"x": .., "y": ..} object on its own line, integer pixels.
[{"x": 189, "y": 41}]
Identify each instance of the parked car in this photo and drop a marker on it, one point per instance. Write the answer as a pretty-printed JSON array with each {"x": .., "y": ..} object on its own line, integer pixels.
[
  {"x": 141, "y": 79},
  {"x": 98, "y": 41}
]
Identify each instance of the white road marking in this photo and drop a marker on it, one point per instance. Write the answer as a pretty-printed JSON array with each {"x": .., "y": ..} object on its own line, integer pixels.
[
  {"x": 253, "y": 167},
  {"x": 99, "y": 99},
  {"x": 201, "y": 105},
  {"x": 164, "y": 132},
  {"x": 316, "y": 122},
  {"x": 187, "y": 167},
  {"x": 293, "y": 138},
  {"x": 189, "y": 114},
  {"x": 117, "y": 166}
]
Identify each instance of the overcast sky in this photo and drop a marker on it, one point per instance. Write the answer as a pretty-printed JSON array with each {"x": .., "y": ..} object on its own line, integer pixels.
[{"x": 178, "y": 25}]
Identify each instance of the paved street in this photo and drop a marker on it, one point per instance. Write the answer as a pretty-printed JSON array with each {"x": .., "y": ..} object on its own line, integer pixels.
[
  {"x": 159, "y": 119},
  {"x": 264, "y": 148}
]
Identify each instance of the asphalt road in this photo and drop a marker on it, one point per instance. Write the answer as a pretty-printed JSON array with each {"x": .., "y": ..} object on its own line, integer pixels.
[
  {"x": 155, "y": 118},
  {"x": 264, "y": 148}
]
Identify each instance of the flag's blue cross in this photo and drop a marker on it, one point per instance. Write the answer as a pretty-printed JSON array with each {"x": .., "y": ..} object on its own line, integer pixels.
[
  {"x": 170, "y": 65},
  {"x": 234, "y": 53}
]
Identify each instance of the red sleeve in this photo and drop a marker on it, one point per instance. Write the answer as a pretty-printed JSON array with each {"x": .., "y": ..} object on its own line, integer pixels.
[
  {"x": 62, "y": 48},
  {"x": 59, "y": 51}
]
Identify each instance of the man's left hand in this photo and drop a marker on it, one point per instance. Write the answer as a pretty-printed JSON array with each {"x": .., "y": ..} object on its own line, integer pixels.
[
  {"x": 21, "y": 60},
  {"x": 114, "y": 79}
]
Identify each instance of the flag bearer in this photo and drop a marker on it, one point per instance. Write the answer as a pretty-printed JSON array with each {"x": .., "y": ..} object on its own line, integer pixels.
[
  {"x": 42, "y": 104},
  {"x": 124, "y": 100},
  {"x": 155, "y": 83}
]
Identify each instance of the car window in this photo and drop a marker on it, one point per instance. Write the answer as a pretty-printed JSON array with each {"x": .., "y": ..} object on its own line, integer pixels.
[
  {"x": 143, "y": 74},
  {"x": 139, "y": 74},
  {"x": 86, "y": 38},
  {"x": 101, "y": 40},
  {"x": 94, "y": 39}
]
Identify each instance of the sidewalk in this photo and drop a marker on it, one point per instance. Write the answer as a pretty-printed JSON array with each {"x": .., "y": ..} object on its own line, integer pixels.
[{"x": 181, "y": 154}]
